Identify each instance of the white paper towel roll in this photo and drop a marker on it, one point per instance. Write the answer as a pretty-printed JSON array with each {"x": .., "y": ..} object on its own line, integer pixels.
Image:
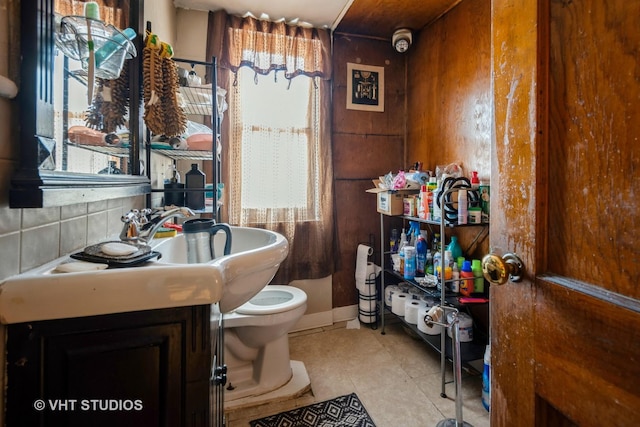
[
  {"x": 398, "y": 301},
  {"x": 388, "y": 293},
  {"x": 362, "y": 259},
  {"x": 411, "y": 308},
  {"x": 423, "y": 327},
  {"x": 465, "y": 326},
  {"x": 367, "y": 303}
]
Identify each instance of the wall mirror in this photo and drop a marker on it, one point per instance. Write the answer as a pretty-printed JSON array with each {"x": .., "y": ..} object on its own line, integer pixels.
[{"x": 80, "y": 137}]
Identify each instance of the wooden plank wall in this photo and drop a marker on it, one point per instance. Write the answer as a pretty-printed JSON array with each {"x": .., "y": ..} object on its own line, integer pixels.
[
  {"x": 438, "y": 98},
  {"x": 365, "y": 145},
  {"x": 449, "y": 97}
]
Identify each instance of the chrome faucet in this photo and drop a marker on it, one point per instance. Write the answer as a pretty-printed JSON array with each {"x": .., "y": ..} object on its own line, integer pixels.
[{"x": 142, "y": 225}]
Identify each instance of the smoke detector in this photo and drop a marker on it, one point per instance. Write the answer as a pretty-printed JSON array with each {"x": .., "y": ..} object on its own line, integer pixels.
[{"x": 401, "y": 40}]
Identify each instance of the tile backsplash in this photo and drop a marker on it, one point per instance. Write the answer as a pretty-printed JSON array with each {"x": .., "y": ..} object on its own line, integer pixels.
[{"x": 32, "y": 237}]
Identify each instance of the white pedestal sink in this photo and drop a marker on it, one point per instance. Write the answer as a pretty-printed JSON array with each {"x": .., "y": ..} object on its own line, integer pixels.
[
  {"x": 46, "y": 295},
  {"x": 231, "y": 280},
  {"x": 255, "y": 257}
]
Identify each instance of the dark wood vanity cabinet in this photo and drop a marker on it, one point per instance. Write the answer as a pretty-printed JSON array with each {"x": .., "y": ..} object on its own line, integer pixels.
[{"x": 148, "y": 368}]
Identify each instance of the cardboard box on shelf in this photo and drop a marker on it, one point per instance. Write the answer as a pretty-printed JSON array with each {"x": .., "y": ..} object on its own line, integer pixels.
[{"x": 390, "y": 202}]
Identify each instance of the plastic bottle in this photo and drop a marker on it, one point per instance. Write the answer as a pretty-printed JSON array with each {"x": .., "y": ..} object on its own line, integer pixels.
[
  {"x": 421, "y": 255},
  {"x": 394, "y": 241},
  {"x": 475, "y": 180},
  {"x": 431, "y": 186},
  {"x": 448, "y": 265},
  {"x": 462, "y": 206},
  {"x": 414, "y": 232},
  {"x": 466, "y": 286},
  {"x": 429, "y": 263},
  {"x": 455, "y": 278},
  {"x": 486, "y": 379},
  {"x": 173, "y": 197},
  {"x": 195, "y": 180},
  {"x": 403, "y": 244},
  {"x": 435, "y": 208},
  {"x": 478, "y": 283},
  {"x": 423, "y": 208},
  {"x": 454, "y": 247},
  {"x": 409, "y": 262},
  {"x": 435, "y": 243},
  {"x": 437, "y": 260},
  {"x": 485, "y": 201}
]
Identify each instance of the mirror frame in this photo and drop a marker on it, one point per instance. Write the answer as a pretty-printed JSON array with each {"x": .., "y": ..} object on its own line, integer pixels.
[{"x": 33, "y": 186}]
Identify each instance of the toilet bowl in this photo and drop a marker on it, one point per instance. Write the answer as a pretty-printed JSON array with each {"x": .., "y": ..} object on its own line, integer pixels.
[{"x": 256, "y": 342}]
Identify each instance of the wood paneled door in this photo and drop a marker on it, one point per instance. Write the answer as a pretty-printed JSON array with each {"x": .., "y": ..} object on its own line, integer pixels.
[{"x": 565, "y": 168}]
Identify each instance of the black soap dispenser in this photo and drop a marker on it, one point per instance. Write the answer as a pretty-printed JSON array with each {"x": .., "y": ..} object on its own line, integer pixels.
[
  {"x": 195, "y": 180},
  {"x": 174, "y": 194}
]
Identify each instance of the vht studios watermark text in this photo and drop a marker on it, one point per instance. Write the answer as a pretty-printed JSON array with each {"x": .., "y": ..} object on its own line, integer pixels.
[{"x": 88, "y": 405}]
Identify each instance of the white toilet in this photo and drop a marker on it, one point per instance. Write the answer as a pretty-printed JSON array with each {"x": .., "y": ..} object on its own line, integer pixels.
[{"x": 256, "y": 343}]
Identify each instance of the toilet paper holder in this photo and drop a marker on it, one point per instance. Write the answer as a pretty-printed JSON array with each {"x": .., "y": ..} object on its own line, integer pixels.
[{"x": 436, "y": 316}]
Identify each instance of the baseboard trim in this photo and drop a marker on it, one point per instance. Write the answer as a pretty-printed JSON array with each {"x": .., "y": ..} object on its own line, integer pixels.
[
  {"x": 326, "y": 318},
  {"x": 347, "y": 312}
]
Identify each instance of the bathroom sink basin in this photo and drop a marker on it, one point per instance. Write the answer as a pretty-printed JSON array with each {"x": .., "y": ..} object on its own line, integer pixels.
[
  {"x": 44, "y": 294},
  {"x": 255, "y": 257},
  {"x": 231, "y": 280}
]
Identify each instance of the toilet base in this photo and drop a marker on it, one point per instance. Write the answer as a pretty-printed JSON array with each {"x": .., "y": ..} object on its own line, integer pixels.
[{"x": 296, "y": 386}]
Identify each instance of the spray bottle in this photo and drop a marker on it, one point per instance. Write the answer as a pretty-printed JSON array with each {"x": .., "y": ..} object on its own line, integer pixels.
[
  {"x": 486, "y": 379},
  {"x": 421, "y": 255}
]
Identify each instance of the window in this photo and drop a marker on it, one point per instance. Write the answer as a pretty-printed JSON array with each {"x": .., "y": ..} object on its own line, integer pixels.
[
  {"x": 277, "y": 163},
  {"x": 277, "y": 146}
]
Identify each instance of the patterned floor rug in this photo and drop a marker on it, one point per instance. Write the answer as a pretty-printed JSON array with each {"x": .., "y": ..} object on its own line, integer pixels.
[{"x": 343, "y": 411}]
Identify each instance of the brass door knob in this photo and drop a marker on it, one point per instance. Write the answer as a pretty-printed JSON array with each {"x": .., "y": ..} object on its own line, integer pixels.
[{"x": 498, "y": 270}]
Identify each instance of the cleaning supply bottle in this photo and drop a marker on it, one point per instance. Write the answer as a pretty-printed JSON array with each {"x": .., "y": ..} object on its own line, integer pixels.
[
  {"x": 175, "y": 189},
  {"x": 429, "y": 263},
  {"x": 433, "y": 184},
  {"x": 486, "y": 379},
  {"x": 423, "y": 207},
  {"x": 394, "y": 241},
  {"x": 466, "y": 286},
  {"x": 414, "y": 232},
  {"x": 462, "y": 206},
  {"x": 435, "y": 205},
  {"x": 454, "y": 247},
  {"x": 195, "y": 180},
  {"x": 478, "y": 283},
  {"x": 455, "y": 278},
  {"x": 437, "y": 261},
  {"x": 421, "y": 255},
  {"x": 448, "y": 265},
  {"x": 435, "y": 243},
  {"x": 409, "y": 262},
  {"x": 475, "y": 180},
  {"x": 403, "y": 244}
]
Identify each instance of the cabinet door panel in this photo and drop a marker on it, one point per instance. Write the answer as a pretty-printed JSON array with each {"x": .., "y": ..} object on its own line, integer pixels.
[
  {"x": 116, "y": 369},
  {"x": 131, "y": 369}
]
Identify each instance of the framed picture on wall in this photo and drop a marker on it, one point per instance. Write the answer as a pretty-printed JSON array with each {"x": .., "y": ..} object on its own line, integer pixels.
[{"x": 365, "y": 87}]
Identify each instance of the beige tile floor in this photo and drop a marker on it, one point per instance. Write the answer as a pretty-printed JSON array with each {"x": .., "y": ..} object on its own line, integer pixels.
[{"x": 396, "y": 376}]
